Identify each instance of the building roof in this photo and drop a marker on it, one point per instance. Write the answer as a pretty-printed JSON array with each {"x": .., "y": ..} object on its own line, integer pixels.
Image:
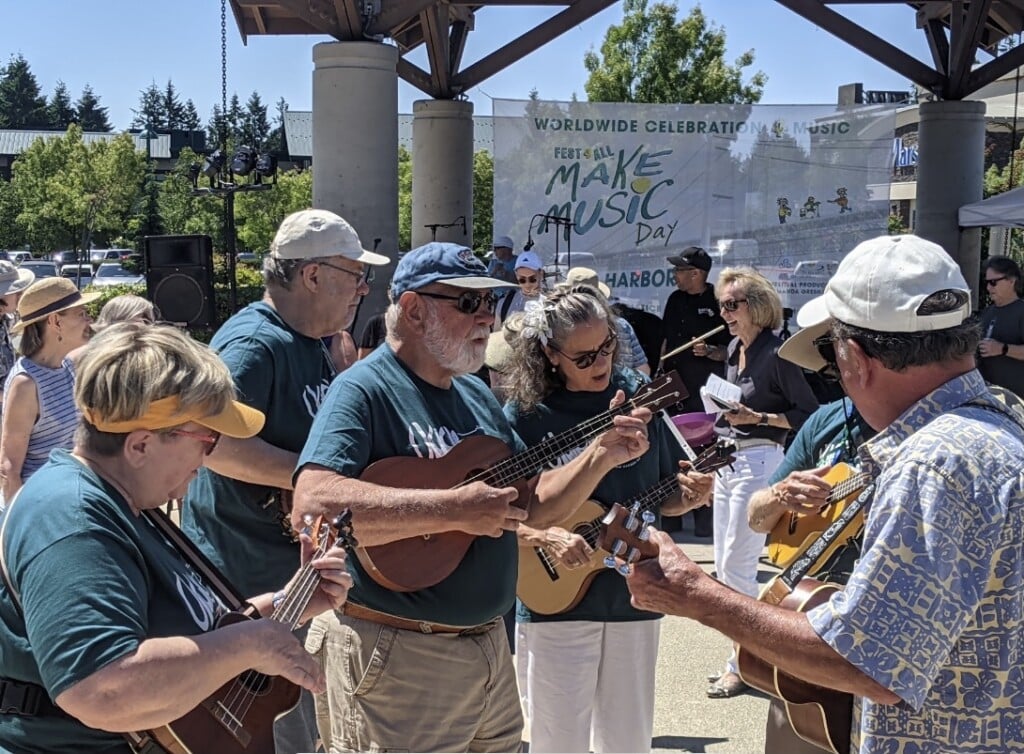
[
  {"x": 298, "y": 129},
  {"x": 14, "y": 141}
]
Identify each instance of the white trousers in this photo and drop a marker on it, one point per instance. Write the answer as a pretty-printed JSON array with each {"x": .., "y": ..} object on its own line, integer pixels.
[
  {"x": 586, "y": 679},
  {"x": 737, "y": 546}
]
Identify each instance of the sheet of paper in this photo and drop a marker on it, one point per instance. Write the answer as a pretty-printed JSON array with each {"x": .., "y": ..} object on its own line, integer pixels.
[{"x": 718, "y": 395}]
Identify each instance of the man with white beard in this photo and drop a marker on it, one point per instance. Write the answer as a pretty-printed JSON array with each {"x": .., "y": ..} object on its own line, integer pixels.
[{"x": 430, "y": 670}]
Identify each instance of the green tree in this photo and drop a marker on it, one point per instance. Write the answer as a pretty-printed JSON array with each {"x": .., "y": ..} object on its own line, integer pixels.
[
  {"x": 21, "y": 103},
  {"x": 92, "y": 117},
  {"x": 12, "y": 235},
  {"x": 483, "y": 199},
  {"x": 652, "y": 57},
  {"x": 150, "y": 111},
  {"x": 276, "y": 142},
  {"x": 190, "y": 120},
  {"x": 174, "y": 111},
  {"x": 60, "y": 112},
  {"x": 69, "y": 189},
  {"x": 259, "y": 213},
  {"x": 254, "y": 125}
]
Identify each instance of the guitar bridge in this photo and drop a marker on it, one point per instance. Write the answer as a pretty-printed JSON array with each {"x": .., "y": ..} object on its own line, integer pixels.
[{"x": 232, "y": 723}]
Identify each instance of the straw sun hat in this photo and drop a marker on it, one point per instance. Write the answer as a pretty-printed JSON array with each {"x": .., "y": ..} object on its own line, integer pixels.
[{"x": 48, "y": 296}]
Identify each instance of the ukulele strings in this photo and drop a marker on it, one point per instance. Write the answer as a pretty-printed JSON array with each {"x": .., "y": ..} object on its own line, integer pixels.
[
  {"x": 242, "y": 693},
  {"x": 507, "y": 471}
]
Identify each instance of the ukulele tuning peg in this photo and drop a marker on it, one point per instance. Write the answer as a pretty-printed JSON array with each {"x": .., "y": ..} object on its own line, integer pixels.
[
  {"x": 648, "y": 517},
  {"x": 609, "y": 562},
  {"x": 623, "y": 569},
  {"x": 644, "y": 535},
  {"x": 618, "y": 547}
]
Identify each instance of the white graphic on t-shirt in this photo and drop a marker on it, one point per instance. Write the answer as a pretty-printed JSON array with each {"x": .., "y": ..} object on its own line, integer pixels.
[
  {"x": 313, "y": 397},
  {"x": 568, "y": 455},
  {"x": 435, "y": 442},
  {"x": 202, "y": 604}
]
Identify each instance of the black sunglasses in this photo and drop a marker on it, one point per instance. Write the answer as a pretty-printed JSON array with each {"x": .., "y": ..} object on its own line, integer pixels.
[
  {"x": 992, "y": 281},
  {"x": 468, "y": 302},
  {"x": 586, "y": 360},
  {"x": 527, "y": 280},
  {"x": 826, "y": 347},
  {"x": 731, "y": 305}
]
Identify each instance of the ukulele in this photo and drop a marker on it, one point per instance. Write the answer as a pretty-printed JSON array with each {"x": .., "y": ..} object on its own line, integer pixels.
[
  {"x": 549, "y": 587},
  {"x": 414, "y": 563},
  {"x": 795, "y": 532},
  {"x": 239, "y": 717}
]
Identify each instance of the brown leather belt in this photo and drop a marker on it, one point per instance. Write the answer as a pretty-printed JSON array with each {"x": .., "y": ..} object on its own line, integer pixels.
[{"x": 407, "y": 624}]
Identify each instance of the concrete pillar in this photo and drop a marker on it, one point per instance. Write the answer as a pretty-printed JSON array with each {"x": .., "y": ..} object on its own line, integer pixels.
[
  {"x": 950, "y": 174},
  {"x": 442, "y": 170},
  {"x": 355, "y": 148}
]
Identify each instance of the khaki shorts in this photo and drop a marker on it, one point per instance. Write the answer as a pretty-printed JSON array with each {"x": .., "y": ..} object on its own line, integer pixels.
[{"x": 395, "y": 690}]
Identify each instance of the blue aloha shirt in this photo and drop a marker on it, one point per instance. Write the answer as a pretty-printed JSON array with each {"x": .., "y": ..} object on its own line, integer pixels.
[{"x": 934, "y": 610}]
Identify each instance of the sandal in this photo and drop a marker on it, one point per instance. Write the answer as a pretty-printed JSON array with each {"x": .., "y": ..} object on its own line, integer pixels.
[
  {"x": 712, "y": 677},
  {"x": 729, "y": 685}
]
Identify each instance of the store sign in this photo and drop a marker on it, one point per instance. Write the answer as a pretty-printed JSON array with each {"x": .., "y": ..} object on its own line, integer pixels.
[{"x": 903, "y": 156}]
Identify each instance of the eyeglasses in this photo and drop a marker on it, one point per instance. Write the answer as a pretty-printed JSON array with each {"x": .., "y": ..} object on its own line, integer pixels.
[
  {"x": 992, "y": 281},
  {"x": 586, "y": 360},
  {"x": 210, "y": 440},
  {"x": 731, "y": 304},
  {"x": 365, "y": 277},
  {"x": 532, "y": 279},
  {"x": 826, "y": 347},
  {"x": 467, "y": 302}
]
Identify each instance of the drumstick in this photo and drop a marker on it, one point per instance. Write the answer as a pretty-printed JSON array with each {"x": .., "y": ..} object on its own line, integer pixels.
[{"x": 693, "y": 342}]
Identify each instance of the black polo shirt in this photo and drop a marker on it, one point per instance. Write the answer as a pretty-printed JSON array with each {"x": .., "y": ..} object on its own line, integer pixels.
[{"x": 687, "y": 316}]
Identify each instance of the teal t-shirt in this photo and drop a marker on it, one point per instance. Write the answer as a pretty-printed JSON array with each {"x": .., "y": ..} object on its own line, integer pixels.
[
  {"x": 94, "y": 580},
  {"x": 607, "y": 599},
  {"x": 822, "y": 440},
  {"x": 379, "y": 409},
  {"x": 240, "y": 526}
]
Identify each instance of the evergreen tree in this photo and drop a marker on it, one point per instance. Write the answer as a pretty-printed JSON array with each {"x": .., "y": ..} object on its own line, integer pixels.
[
  {"x": 174, "y": 111},
  {"x": 190, "y": 120},
  {"x": 255, "y": 127},
  {"x": 92, "y": 117},
  {"x": 21, "y": 104},
  {"x": 235, "y": 118},
  {"x": 150, "y": 112},
  {"x": 277, "y": 141},
  {"x": 60, "y": 112}
]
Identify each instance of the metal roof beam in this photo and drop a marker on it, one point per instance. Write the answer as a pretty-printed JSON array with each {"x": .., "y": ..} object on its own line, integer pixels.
[
  {"x": 968, "y": 29},
  {"x": 935, "y": 32},
  {"x": 349, "y": 20},
  {"x": 413, "y": 74},
  {"x": 434, "y": 21},
  {"x": 1002, "y": 65}
]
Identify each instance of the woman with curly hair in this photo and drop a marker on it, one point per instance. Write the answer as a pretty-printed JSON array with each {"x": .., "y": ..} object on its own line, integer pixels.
[{"x": 589, "y": 671}]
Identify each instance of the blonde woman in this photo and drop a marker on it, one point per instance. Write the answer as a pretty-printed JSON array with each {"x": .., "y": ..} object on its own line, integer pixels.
[
  {"x": 39, "y": 408},
  {"x": 775, "y": 399},
  {"x": 126, "y": 308},
  {"x": 112, "y": 624}
]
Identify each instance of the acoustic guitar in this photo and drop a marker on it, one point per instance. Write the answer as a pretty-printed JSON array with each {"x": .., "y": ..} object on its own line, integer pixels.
[
  {"x": 795, "y": 532},
  {"x": 548, "y": 587},
  {"x": 415, "y": 563},
  {"x": 819, "y": 715},
  {"x": 239, "y": 717}
]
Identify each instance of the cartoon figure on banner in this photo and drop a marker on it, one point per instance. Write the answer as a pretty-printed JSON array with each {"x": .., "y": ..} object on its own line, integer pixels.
[
  {"x": 809, "y": 208},
  {"x": 784, "y": 209},
  {"x": 842, "y": 200}
]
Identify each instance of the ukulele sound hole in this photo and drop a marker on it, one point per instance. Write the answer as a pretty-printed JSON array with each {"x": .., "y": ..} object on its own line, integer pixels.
[{"x": 256, "y": 683}]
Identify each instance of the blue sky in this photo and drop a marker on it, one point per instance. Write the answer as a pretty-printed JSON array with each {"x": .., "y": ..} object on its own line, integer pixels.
[{"x": 121, "y": 46}]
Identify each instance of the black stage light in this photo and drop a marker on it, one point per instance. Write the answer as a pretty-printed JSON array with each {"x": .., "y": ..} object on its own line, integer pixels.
[
  {"x": 243, "y": 162},
  {"x": 266, "y": 166},
  {"x": 213, "y": 164}
]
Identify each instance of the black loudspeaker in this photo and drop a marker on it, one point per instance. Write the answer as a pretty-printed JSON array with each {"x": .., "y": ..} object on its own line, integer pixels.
[{"x": 179, "y": 279}]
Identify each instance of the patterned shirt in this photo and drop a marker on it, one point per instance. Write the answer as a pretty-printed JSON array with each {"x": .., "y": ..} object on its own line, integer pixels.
[{"x": 934, "y": 610}]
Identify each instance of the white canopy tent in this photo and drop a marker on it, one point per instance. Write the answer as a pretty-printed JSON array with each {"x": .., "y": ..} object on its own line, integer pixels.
[{"x": 1002, "y": 211}]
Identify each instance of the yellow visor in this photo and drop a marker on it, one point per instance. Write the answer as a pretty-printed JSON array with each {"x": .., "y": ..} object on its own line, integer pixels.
[{"x": 236, "y": 420}]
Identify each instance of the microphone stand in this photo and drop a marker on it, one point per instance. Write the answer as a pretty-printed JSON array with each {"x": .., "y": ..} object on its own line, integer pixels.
[{"x": 458, "y": 221}]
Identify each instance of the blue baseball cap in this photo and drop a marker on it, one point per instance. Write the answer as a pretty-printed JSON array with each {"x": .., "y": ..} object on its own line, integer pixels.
[{"x": 441, "y": 263}]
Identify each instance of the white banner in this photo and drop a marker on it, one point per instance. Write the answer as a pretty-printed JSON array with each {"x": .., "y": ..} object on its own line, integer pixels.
[{"x": 620, "y": 187}]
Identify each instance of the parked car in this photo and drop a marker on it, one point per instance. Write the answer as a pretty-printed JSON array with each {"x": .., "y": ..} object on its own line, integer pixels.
[
  {"x": 80, "y": 273},
  {"x": 112, "y": 273},
  {"x": 41, "y": 268},
  {"x": 249, "y": 258},
  {"x": 97, "y": 256},
  {"x": 67, "y": 257},
  {"x": 19, "y": 256}
]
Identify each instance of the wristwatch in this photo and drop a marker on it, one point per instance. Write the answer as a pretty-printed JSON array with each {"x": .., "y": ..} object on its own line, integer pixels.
[
  {"x": 1006, "y": 348},
  {"x": 763, "y": 421}
]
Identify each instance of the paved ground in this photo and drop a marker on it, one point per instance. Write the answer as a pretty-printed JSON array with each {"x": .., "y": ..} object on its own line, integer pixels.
[{"x": 685, "y": 720}]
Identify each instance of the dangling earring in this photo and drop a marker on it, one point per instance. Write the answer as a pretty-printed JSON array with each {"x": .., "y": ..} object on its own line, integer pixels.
[{"x": 60, "y": 338}]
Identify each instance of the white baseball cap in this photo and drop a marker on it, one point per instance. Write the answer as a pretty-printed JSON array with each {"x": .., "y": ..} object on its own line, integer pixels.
[
  {"x": 880, "y": 286},
  {"x": 315, "y": 233},
  {"x": 504, "y": 241},
  {"x": 529, "y": 260}
]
